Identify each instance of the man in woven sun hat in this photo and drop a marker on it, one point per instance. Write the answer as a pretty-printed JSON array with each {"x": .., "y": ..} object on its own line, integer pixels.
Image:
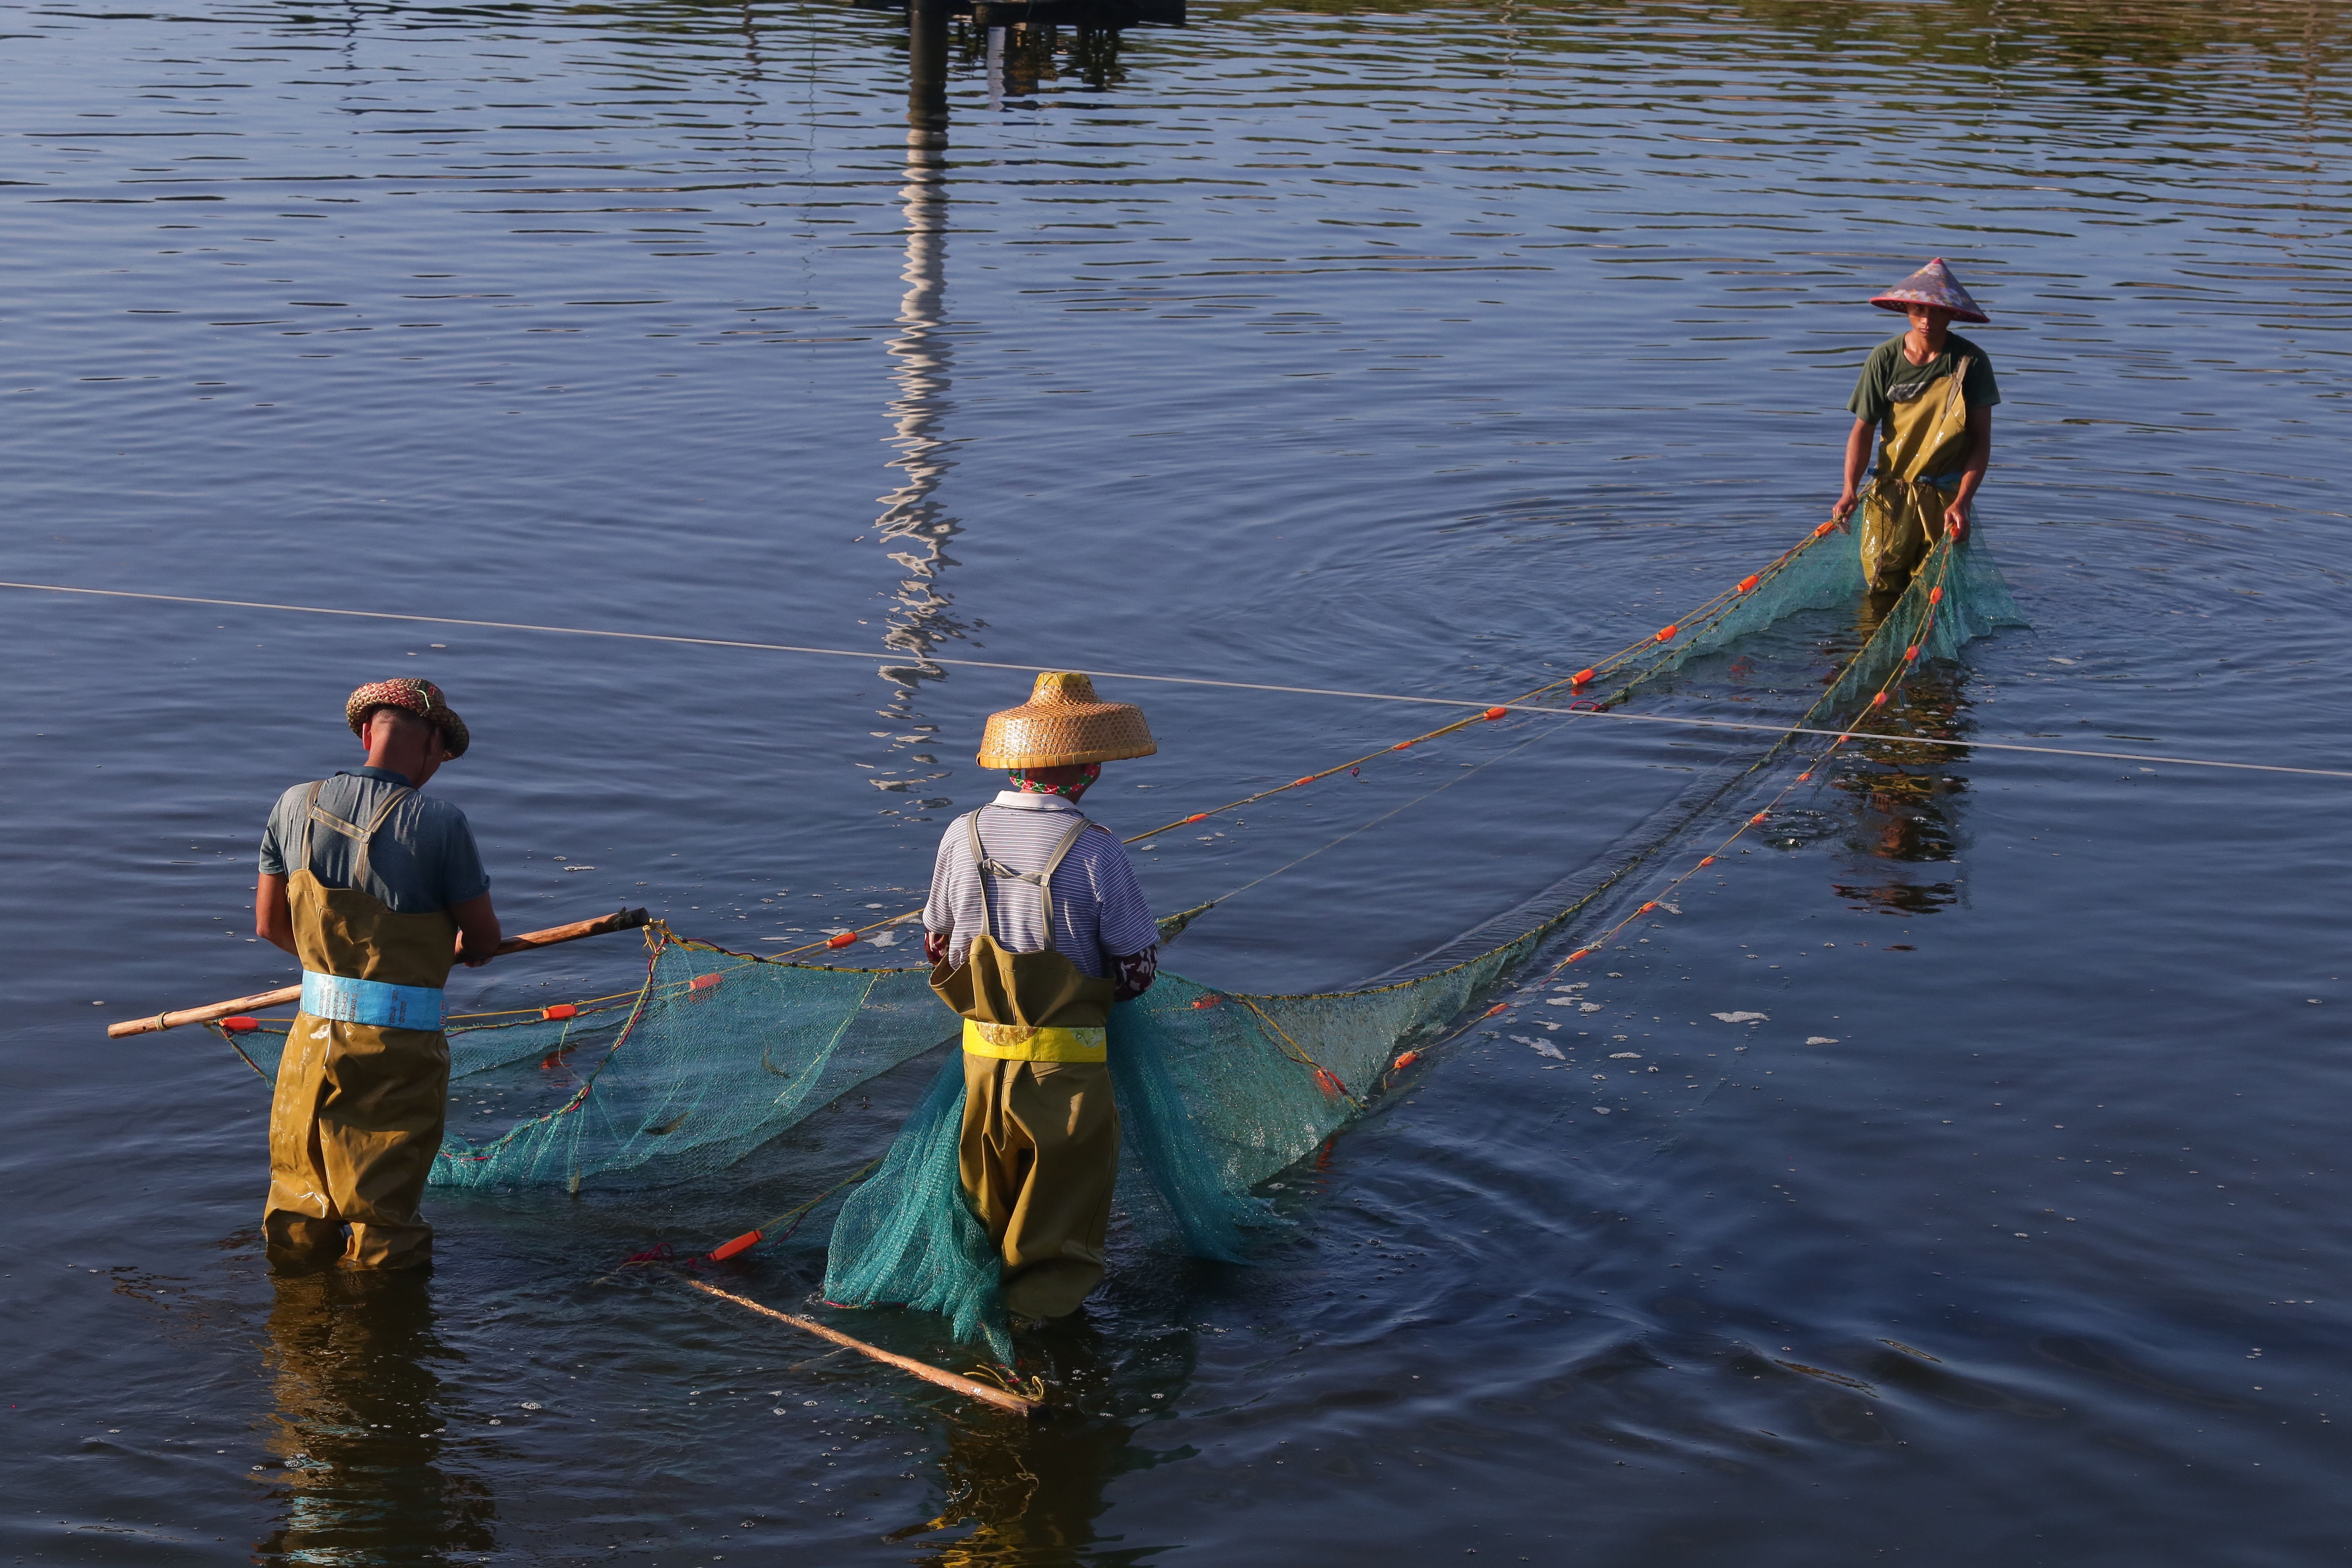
[
  {"x": 1035, "y": 927},
  {"x": 1930, "y": 395},
  {"x": 378, "y": 889}
]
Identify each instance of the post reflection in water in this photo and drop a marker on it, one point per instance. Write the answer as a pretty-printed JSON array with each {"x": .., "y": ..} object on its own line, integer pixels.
[
  {"x": 359, "y": 1412},
  {"x": 914, "y": 527},
  {"x": 1015, "y": 1489},
  {"x": 1905, "y": 797}
]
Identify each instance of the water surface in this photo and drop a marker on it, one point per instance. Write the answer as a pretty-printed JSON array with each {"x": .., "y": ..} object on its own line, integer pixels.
[{"x": 1425, "y": 351}]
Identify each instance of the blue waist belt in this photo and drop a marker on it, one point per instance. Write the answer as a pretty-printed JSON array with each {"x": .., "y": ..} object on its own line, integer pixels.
[{"x": 371, "y": 1002}]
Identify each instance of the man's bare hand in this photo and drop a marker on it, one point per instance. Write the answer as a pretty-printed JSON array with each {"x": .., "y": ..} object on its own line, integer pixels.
[
  {"x": 477, "y": 931},
  {"x": 1843, "y": 510}
]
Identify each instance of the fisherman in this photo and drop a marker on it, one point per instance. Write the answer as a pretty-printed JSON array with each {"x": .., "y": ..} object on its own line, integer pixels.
[
  {"x": 1035, "y": 927},
  {"x": 1930, "y": 395},
  {"x": 377, "y": 889}
]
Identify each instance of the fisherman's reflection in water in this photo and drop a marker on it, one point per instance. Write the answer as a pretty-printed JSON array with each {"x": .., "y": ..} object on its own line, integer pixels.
[
  {"x": 1027, "y": 1494},
  {"x": 1905, "y": 795},
  {"x": 359, "y": 1409}
]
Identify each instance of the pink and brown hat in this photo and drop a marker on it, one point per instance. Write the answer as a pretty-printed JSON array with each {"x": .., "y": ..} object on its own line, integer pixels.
[
  {"x": 1931, "y": 285},
  {"x": 421, "y": 698}
]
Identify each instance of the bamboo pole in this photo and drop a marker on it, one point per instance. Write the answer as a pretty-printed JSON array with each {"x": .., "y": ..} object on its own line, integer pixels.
[
  {"x": 620, "y": 919},
  {"x": 971, "y": 1388}
]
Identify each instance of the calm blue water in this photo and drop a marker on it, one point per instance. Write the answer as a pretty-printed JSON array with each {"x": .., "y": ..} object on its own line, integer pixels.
[{"x": 1428, "y": 352}]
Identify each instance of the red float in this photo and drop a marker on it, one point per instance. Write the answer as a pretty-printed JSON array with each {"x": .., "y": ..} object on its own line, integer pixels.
[{"x": 743, "y": 1243}]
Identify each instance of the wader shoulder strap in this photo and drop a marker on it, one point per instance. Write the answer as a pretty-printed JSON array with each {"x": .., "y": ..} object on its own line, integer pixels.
[
  {"x": 309, "y": 810},
  {"x": 1958, "y": 391},
  {"x": 1042, "y": 880},
  {"x": 315, "y": 813}
]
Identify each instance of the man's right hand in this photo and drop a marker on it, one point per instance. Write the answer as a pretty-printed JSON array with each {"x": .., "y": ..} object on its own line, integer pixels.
[
  {"x": 1843, "y": 510},
  {"x": 477, "y": 931}
]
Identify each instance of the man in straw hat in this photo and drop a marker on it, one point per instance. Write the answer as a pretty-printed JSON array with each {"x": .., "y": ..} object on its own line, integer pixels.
[
  {"x": 1036, "y": 926},
  {"x": 377, "y": 889},
  {"x": 1930, "y": 395}
]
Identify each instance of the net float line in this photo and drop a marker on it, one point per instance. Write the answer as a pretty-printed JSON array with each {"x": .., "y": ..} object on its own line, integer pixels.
[
  {"x": 1692, "y": 622},
  {"x": 1940, "y": 562},
  {"x": 790, "y": 1220},
  {"x": 1205, "y": 682},
  {"x": 1895, "y": 675}
]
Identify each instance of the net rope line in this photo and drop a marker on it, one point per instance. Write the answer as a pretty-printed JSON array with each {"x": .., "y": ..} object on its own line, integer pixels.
[
  {"x": 1699, "y": 620},
  {"x": 1473, "y": 770},
  {"x": 1276, "y": 1018},
  {"x": 659, "y": 931},
  {"x": 1941, "y": 562},
  {"x": 1516, "y": 706},
  {"x": 1879, "y": 699},
  {"x": 659, "y": 934},
  {"x": 885, "y": 1226}
]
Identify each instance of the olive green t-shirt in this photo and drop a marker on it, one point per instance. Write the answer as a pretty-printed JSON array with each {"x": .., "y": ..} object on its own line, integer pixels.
[{"x": 1888, "y": 378}]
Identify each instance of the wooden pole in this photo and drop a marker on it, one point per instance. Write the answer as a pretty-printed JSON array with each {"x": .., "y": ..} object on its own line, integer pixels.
[
  {"x": 971, "y": 1388},
  {"x": 620, "y": 919}
]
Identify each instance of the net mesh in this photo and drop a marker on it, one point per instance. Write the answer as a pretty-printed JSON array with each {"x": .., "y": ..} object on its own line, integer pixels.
[{"x": 718, "y": 1054}]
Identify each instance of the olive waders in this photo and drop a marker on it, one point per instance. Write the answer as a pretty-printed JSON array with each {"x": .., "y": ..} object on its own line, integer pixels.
[
  {"x": 1920, "y": 458},
  {"x": 362, "y": 1088},
  {"x": 1039, "y": 1148}
]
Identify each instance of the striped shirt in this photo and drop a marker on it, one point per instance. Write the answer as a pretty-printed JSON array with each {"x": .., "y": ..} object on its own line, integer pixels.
[{"x": 1098, "y": 909}]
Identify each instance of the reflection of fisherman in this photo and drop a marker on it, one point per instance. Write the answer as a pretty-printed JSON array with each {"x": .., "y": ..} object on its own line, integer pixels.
[
  {"x": 376, "y": 889},
  {"x": 1036, "y": 926},
  {"x": 360, "y": 1421},
  {"x": 1930, "y": 395}
]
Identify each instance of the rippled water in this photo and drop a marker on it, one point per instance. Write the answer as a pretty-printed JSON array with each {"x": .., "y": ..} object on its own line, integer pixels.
[{"x": 1420, "y": 350}]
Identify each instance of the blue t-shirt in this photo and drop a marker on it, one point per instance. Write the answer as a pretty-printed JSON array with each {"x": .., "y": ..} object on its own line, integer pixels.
[{"x": 423, "y": 859}]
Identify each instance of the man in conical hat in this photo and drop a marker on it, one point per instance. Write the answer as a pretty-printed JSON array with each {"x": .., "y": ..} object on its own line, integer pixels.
[
  {"x": 1035, "y": 927},
  {"x": 1930, "y": 393}
]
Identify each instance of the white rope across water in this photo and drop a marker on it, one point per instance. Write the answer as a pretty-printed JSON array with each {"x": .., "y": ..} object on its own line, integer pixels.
[{"x": 1874, "y": 736}]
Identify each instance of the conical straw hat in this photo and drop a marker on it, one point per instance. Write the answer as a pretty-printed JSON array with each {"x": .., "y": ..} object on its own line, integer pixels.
[
  {"x": 1063, "y": 723},
  {"x": 1931, "y": 285}
]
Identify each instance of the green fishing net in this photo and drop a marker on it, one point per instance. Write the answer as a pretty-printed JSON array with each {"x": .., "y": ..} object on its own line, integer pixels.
[{"x": 718, "y": 1054}]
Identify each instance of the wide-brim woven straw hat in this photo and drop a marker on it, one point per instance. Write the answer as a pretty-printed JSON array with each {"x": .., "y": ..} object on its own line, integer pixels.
[
  {"x": 421, "y": 698},
  {"x": 1064, "y": 724},
  {"x": 1931, "y": 285}
]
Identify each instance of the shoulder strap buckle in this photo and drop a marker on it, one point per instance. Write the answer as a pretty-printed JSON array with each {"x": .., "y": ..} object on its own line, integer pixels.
[{"x": 1042, "y": 881}]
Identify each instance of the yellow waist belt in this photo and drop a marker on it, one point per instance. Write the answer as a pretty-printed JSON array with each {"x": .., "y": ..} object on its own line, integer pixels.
[{"x": 1013, "y": 1042}]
